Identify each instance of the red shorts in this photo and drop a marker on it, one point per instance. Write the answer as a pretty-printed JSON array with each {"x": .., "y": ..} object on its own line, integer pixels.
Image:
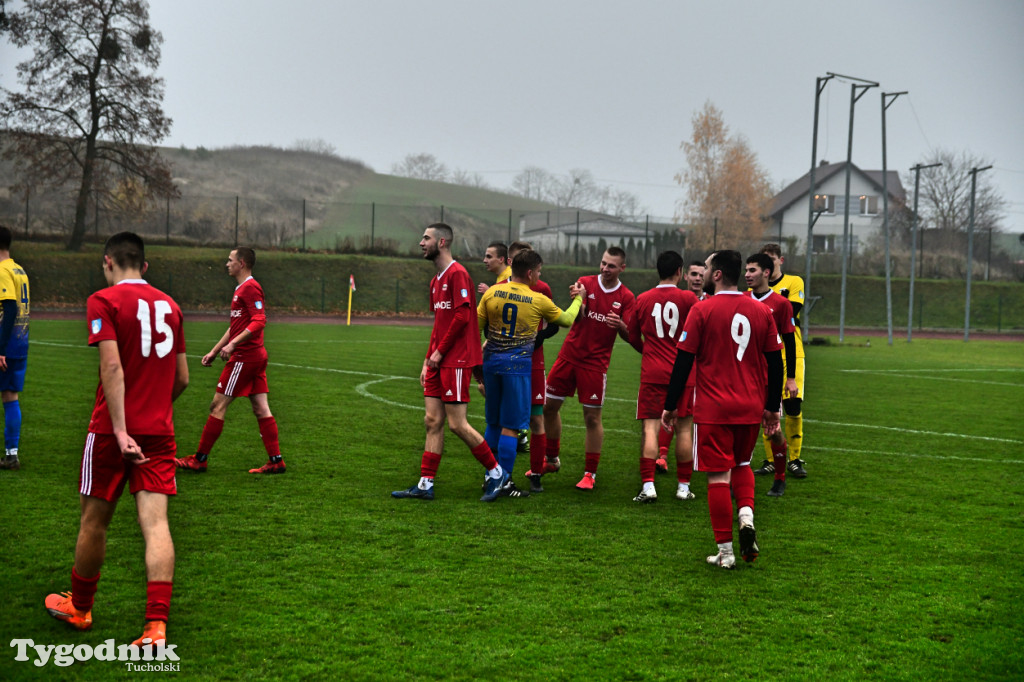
[
  {"x": 450, "y": 384},
  {"x": 240, "y": 379},
  {"x": 105, "y": 471},
  {"x": 565, "y": 379},
  {"x": 538, "y": 384},
  {"x": 650, "y": 401},
  {"x": 722, "y": 447}
]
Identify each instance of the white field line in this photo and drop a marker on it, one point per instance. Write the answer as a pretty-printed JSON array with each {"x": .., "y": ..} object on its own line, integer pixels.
[
  {"x": 362, "y": 389},
  {"x": 913, "y": 455}
]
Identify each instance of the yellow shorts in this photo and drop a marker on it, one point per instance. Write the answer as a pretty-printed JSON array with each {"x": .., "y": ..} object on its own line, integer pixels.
[{"x": 799, "y": 379}]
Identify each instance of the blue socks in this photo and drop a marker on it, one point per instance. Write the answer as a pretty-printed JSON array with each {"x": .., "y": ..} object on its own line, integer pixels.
[
  {"x": 507, "y": 452},
  {"x": 12, "y": 424}
]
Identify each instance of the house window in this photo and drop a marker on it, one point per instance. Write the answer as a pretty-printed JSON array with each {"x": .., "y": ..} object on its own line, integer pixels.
[
  {"x": 868, "y": 205},
  {"x": 824, "y": 203},
  {"x": 824, "y": 243}
]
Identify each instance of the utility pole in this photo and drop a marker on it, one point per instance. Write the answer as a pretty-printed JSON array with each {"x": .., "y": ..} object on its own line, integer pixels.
[
  {"x": 970, "y": 251},
  {"x": 819, "y": 86},
  {"x": 913, "y": 246},
  {"x": 862, "y": 86},
  {"x": 885, "y": 213}
]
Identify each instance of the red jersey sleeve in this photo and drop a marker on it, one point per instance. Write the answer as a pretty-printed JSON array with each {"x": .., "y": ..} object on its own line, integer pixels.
[{"x": 100, "y": 314}]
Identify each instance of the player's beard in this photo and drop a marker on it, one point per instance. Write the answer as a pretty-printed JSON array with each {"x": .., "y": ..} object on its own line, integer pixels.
[
  {"x": 431, "y": 254},
  {"x": 709, "y": 287}
]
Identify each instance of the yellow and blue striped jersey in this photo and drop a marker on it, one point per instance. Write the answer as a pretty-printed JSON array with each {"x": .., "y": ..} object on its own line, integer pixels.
[
  {"x": 14, "y": 287},
  {"x": 509, "y": 314}
]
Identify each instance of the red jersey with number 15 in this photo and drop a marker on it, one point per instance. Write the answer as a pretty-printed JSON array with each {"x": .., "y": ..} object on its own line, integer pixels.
[
  {"x": 729, "y": 333},
  {"x": 147, "y": 326},
  {"x": 248, "y": 311},
  {"x": 590, "y": 340},
  {"x": 659, "y": 316},
  {"x": 450, "y": 290}
]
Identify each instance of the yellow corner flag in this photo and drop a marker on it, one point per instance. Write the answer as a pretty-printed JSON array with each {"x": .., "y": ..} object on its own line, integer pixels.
[{"x": 351, "y": 288}]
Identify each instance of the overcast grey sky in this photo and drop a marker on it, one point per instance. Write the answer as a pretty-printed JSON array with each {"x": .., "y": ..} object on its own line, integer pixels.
[{"x": 604, "y": 85}]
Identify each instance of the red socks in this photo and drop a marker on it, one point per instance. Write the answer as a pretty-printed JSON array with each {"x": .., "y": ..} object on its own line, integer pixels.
[
  {"x": 553, "y": 447},
  {"x": 647, "y": 467},
  {"x": 483, "y": 455},
  {"x": 538, "y": 450},
  {"x": 158, "y": 600},
  {"x": 83, "y": 590},
  {"x": 684, "y": 471},
  {"x": 779, "y": 460},
  {"x": 743, "y": 486},
  {"x": 268, "y": 432},
  {"x": 429, "y": 464},
  {"x": 211, "y": 432},
  {"x": 591, "y": 460},
  {"x": 720, "y": 508}
]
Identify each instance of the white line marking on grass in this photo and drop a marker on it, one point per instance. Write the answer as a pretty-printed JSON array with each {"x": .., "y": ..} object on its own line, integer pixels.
[
  {"x": 976, "y": 369},
  {"x": 915, "y": 431},
  {"x": 918, "y": 376},
  {"x": 362, "y": 390},
  {"x": 913, "y": 455}
]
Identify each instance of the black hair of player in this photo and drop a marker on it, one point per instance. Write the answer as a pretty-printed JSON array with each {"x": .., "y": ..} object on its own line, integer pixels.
[
  {"x": 5, "y": 238},
  {"x": 698, "y": 263},
  {"x": 500, "y": 250},
  {"x": 730, "y": 264},
  {"x": 772, "y": 249},
  {"x": 443, "y": 231},
  {"x": 526, "y": 261},
  {"x": 246, "y": 255},
  {"x": 669, "y": 263},
  {"x": 763, "y": 261},
  {"x": 617, "y": 252},
  {"x": 127, "y": 250}
]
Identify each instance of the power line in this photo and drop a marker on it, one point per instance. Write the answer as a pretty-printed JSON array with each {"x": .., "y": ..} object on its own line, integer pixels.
[{"x": 927, "y": 142}]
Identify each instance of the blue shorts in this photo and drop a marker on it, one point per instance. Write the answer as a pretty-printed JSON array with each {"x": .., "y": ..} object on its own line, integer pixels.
[
  {"x": 13, "y": 379},
  {"x": 508, "y": 400}
]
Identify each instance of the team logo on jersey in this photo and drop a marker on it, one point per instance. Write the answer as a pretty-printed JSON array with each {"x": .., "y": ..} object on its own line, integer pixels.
[
  {"x": 464, "y": 293},
  {"x": 235, "y": 298},
  {"x": 792, "y": 321},
  {"x": 801, "y": 294},
  {"x": 259, "y": 305},
  {"x": 683, "y": 337},
  {"x": 444, "y": 287},
  {"x": 616, "y": 305},
  {"x": 591, "y": 296},
  {"x": 97, "y": 325}
]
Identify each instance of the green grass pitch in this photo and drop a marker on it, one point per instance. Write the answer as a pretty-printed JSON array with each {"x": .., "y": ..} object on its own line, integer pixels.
[{"x": 897, "y": 558}]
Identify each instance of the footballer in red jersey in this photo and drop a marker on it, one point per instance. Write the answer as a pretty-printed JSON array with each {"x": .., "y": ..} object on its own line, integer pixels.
[
  {"x": 143, "y": 369},
  {"x": 733, "y": 342},
  {"x": 582, "y": 363},
  {"x": 654, "y": 330},
  {"x": 453, "y": 353},
  {"x": 245, "y": 369},
  {"x": 759, "y": 269}
]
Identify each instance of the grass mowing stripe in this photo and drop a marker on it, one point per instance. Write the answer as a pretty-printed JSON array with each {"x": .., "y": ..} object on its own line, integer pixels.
[
  {"x": 963, "y": 381},
  {"x": 910, "y": 454}
]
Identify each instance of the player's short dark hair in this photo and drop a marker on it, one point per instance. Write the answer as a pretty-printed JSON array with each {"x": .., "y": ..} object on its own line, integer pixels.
[
  {"x": 443, "y": 231},
  {"x": 730, "y": 264},
  {"x": 772, "y": 249},
  {"x": 698, "y": 263},
  {"x": 762, "y": 260},
  {"x": 525, "y": 261},
  {"x": 127, "y": 250},
  {"x": 5, "y": 238},
  {"x": 500, "y": 250},
  {"x": 519, "y": 246},
  {"x": 669, "y": 263},
  {"x": 617, "y": 252},
  {"x": 246, "y": 255}
]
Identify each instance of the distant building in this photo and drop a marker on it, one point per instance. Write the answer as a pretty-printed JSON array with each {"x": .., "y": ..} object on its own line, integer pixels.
[
  {"x": 790, "y": 207},
  {"x": 559, "y": 230}
]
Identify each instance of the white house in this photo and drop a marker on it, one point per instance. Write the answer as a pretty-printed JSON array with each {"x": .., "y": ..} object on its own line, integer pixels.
[
  {"x": 790, "y": 207},
  {"x": 562, "y": 229}
]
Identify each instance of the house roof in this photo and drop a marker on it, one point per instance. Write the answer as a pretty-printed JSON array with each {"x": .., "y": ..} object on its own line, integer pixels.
[
  {"x": 799, "y": 189},
  {"x": 597, "y": 227}
]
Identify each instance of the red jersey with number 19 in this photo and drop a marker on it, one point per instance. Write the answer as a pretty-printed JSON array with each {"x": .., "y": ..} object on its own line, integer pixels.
[
  {"x": 590, "y": 340},
  {"x": 147, "y": 326},
  {"x": 248, "y": 311},
  {"x": 659, "y": 315},
  {"x": 450, "y": 290},
  {"x": 729, "y": 333}
]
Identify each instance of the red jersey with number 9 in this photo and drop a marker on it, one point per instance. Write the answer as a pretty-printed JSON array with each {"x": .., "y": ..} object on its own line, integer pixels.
[
  {"x": 147, "y": 326},
  {"x": 729, "y": 333}
]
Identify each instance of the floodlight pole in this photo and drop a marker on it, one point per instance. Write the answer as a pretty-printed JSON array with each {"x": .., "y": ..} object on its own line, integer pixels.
[
  {"x": 885, "y": 213},
  {"x": 819, "y": 87},
  {"x": 970, "y": 251},
  {"x": 913, "y": 247},
  {"x": 863, "y": 86}
]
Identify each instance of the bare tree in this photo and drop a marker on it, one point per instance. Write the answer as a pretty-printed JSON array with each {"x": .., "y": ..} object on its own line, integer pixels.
[
  {"x": 467, "y": 179},
  {"x": 533, "y": 182},
  {"x": 91, "y": 100},
  {"x": 723, "y": 181},
  {"x": 315, "y": 145},
  {"x": 422, "y": 167},
  {"x": 578, "y": 189},
  {"x": 945, "y": 197}
]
